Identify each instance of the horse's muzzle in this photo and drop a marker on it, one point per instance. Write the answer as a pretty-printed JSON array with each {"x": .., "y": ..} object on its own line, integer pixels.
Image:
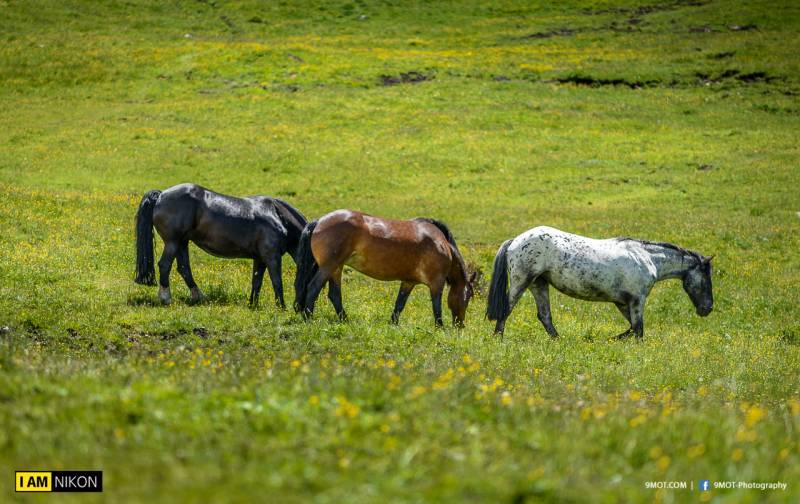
[{"x": 704, "y": 311}]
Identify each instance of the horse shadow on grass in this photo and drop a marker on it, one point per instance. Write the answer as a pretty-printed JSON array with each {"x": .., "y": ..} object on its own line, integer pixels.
[{"x": 214, "y": 295}]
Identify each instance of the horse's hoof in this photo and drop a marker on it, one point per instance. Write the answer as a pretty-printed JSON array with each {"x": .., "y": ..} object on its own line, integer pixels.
[
  {"x": 164, "y": 295},
  {"x": 197, "y": 296}
]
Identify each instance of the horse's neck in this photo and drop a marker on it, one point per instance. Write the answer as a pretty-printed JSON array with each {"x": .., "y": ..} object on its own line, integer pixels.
[
  {"x": 669, "y": 263},
  {"x": 293, "y": 239},
  {"x": 294, "y": 225},
  {"x": 457, "y": 276}
]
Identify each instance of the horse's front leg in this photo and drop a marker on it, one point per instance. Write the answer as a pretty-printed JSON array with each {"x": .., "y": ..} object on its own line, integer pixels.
[
  {"x": 258, "y": 278},
  {"x": 541, "y": 292},
  {"x": 274, "y": 268}
]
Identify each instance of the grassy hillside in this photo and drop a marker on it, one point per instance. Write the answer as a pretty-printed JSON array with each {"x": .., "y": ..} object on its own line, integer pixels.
[{"x": 674, "y": 121}]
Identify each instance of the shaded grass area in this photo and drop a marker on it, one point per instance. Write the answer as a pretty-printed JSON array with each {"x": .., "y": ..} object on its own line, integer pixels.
[{"x": 672, "y": 121}]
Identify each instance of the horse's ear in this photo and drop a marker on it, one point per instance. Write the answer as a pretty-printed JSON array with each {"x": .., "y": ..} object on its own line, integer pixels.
[{"x": 708, "y": 259}]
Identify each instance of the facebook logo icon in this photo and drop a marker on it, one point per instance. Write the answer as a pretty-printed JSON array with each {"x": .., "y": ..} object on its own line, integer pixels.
[{"x": 705, "y": 485}]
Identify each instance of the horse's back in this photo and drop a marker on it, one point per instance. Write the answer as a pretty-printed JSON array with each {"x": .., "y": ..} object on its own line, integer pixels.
[
  {"x": 579, "y": 266},
  {"x": 222, "y": 225},
  {"x": 381, "y": 248},
  {"x": 186, "y": 190},
  {"x": 543, "y": 239},
  {"x": 351, "y": 222}
]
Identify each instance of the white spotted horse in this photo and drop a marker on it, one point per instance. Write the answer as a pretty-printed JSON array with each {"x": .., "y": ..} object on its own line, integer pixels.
[
  {"x": 617, "y": 270},
  {"x": 258, "y": 227}
]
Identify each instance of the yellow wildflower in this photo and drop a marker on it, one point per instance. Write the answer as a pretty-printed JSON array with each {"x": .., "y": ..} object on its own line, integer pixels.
[
  {"x": 637, "y": 420},
  {"x": 346, "y": 408},
  {"x": 696, "y": 450},
  {"x": 417, "y": 391},
  {"x": 753, "y": 415}
]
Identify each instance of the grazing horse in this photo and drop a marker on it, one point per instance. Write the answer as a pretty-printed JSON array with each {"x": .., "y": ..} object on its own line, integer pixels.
[
  {"x": 618, "y": 270},
  {"x": 418, "y": 251},
  {"x": 257, "y": 228}
]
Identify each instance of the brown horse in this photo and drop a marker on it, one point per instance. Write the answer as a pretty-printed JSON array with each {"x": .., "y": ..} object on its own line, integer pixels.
[{"x": 419, "y": 251}]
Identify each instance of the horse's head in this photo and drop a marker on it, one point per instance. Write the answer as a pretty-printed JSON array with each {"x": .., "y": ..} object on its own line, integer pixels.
[
  {"x": 458, "y": 299},
  {"x": 697, "y": 284}
]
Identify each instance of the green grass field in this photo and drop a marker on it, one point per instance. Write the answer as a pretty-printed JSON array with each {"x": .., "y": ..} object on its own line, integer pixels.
[{"x": 673, "y": 121}]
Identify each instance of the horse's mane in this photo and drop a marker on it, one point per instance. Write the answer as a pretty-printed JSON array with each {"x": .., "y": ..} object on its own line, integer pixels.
[
  {"x": 283, "y": 206},
  {"x": 450, "y": 239},
  {"x": 684, "y": 252}
]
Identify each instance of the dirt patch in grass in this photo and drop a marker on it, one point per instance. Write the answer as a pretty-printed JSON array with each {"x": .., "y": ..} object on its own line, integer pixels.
[
  {"x": 722, "y": 55},
  {"x": 558, "y": 32},
  {"x": 790, "y": 336},
  {"x": 589, "y": 81},
  {"x": 412, "y": 77},
  {"x": 737, "y": 75},
  {"x": 746, "y": 27},
  {"x": 701, "y": 78}
]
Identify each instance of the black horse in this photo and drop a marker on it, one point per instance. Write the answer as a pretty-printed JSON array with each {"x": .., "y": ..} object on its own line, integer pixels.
[{"x": 258, "y": 228}]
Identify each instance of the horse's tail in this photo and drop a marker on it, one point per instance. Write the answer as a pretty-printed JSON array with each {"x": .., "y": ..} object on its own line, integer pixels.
[
  {"x": 306, "y": 267},
  {"x": 145, "y": 260},
  {"x": 498, "y": 307}
]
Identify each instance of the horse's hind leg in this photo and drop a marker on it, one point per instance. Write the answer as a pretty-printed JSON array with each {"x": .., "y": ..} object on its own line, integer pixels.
[
  {"x": 258, "y": 279},
  {"x": 541, "y": 292},
  {"x": 515, "y": 292},
  {"x": 185, "y": 271},
  {"x": 335, "y": 294},
  {"x": 314, "y": 287},
  {"x": 637, "y": 317},
  {"x": 274, "y": 268},
  {"x": 402, "y": 297},
  {"x": 164, "y": 266},
  {"x": 625, "y": 310}
]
